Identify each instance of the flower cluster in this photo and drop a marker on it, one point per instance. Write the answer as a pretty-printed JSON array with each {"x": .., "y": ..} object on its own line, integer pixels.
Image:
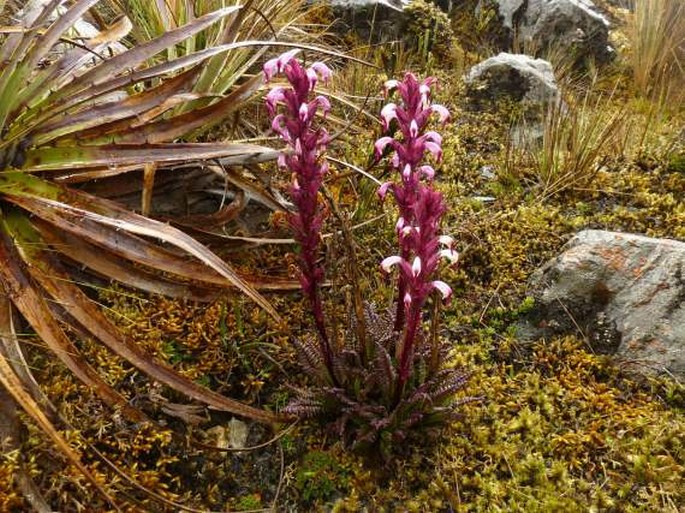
[
  {"x": 420, "y": 207},
  {"x": 295, "y": 124},
  {"x": 379, "y": 382}
]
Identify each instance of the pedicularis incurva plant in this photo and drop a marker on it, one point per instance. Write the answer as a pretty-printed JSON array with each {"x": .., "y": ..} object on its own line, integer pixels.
[{"x": 375, "y": 386}]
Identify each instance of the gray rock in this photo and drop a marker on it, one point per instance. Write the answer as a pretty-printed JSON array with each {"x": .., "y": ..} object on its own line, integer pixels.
[
  {"x": 515, "y": 77},
  {"x": 625, "y": 292},
  {"x": 375, "y": 20},
  {"x": 570, "y": 25}
]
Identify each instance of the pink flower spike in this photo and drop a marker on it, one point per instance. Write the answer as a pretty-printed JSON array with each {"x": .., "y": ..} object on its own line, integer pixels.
[
  {"x": 427, "y": 171},
  {"x": 383, "y": 190},
  {"x": 416, "y": 266},
  {"x": 322, "y": 70},
  {"x": 388, "y": 113},
  {"x": 443, "y": 288},
  {"x": 442, "y": 112},
  {"x": 388, "y": 262},
  {"x": 381, "y": 144},
  {"x": 407, "y": 230}
]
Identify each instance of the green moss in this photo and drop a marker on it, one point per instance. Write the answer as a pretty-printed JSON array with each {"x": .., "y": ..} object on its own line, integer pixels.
[{"x": 319, "y": 477}]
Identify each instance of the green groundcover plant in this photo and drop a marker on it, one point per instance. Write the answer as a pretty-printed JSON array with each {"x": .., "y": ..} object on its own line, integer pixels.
[{"x": 388, "y": 377}]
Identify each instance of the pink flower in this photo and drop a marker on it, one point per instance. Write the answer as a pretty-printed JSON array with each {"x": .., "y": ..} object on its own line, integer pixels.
[
  {"x": 388, "y": 113},
  {"x": 278, "y": 64},
  {"x": 443, "y": 288},
  {"x": 442, "y": 112},
  {"x": 383, "y": 189},
  {"x": 381, "y": 144}
]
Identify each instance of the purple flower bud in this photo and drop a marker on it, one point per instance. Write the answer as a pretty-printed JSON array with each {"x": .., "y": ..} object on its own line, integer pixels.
[
  {"x": 390, "y": 85},
  {"x": 323, "y": 102},
  {"x": 414, "y": 128},
  {"x": 407, "y": 300},
  {"x": 446, "y": 240},
  {"x": 450, "y": 255},
  {"x": 416, "y": 266},
  {"x": 304, "y": 112},
  {"x": 399, "y": 226}
]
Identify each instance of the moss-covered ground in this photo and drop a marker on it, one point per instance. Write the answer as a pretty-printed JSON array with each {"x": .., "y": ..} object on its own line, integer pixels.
[{"x": 558, "y": 429}]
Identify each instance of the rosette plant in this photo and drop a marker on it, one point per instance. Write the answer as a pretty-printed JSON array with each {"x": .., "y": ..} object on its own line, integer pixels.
[
  {"x": 387, "y": 376},
  {"x": 80, "y": 106}
]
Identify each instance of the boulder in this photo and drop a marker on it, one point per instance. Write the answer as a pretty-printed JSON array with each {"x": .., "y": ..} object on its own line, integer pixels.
[
  {"x": 515, "y": 77},
  {"x": 573, "y": 26},
  {"x": 374, "y": 20},
  {"x": 625, "y": 293}
]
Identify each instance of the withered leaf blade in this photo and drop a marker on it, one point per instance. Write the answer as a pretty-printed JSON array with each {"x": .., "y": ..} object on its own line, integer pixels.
[
  {"x": 29, "y": 300},
  {"x": 104, "y": 114},
  {"x": 72, "y": 299},
  {"x": 69, "y": 157},
  {"x": 111, "y": 267},
  {"x": 95, "y": 213}
]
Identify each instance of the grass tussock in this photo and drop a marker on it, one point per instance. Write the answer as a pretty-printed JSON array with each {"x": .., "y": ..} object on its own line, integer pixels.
[
  {"x": 574, "y": 140},
  {"x": 657, "y": 35}
]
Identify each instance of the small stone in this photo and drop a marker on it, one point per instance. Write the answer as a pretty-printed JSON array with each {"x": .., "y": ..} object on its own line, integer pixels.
[
  {"x": 488, "y": 172},
  {"x": 238, "y": 432},
  {"x": 484, "y": 199}
]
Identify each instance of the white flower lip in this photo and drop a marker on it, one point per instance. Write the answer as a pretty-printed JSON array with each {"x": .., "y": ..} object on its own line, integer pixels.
[
  {"x": 388, "y": 262},
  {"x": 443, "y": 288}
]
